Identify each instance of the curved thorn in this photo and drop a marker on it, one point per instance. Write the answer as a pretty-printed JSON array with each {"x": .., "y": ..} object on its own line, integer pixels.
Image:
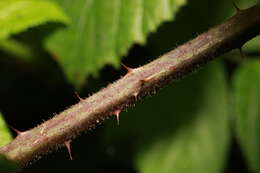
[
  {"x": 145, "y": 80},
  {"x": 18, "y": 132},
  {"x": 135, "y": 95},
  {"x": 117, "y": 114},
  {"x": 77, "y": 95},
  {"x": 68, "y": 146},
  {"x": 128, "y": 69}
]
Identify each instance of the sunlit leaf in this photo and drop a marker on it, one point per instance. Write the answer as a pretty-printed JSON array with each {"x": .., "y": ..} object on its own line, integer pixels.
[
  {"x": 18, "y": 15},
  {"x": 102, "y": 31}
]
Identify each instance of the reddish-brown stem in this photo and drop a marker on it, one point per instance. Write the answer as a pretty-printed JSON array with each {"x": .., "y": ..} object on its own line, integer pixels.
[{"x": 135, "y": 84}]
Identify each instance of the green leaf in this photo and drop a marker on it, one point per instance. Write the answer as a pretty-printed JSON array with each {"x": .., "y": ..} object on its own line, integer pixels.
[
  {"x": 247, "y": 114},
  {"x": 102, "y": 31},
  {"x": 5, "y": 135},
  {"x": 18, "y": 15},
  {"x": 183, "y": 129},
  {"x": 6, "y": 166}
]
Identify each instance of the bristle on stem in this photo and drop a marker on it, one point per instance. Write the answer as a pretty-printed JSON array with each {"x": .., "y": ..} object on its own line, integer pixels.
[
  {"x": 77, "y": 95},
  {"x": 117, "y": 114},
  {"x": 135, "y": 95},
  {"x": 128, "y": 69},
  {"x": 68, "y": 146},
  {"x": 18, "y": 132}
]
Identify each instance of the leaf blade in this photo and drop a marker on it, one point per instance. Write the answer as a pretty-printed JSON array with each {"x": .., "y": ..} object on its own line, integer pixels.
[
  {"x": 5, "y": 134},
  {"x": 18, "y": 15},
  {"x": 102, "y": 31},
  {"x": 247, "y": 111},
  {"x": 201, "y": 144},
  {"x": 5, "y": 137}
]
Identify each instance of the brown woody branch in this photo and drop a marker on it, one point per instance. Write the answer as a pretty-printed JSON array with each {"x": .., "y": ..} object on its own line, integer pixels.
[{"x": 134, "y": 85}]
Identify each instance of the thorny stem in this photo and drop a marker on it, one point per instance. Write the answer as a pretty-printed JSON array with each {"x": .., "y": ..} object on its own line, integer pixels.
[{"x": 135, "y": 84}]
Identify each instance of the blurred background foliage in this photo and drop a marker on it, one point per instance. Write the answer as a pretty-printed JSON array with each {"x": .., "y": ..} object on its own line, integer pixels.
[{"x": 206, "y": 122}]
